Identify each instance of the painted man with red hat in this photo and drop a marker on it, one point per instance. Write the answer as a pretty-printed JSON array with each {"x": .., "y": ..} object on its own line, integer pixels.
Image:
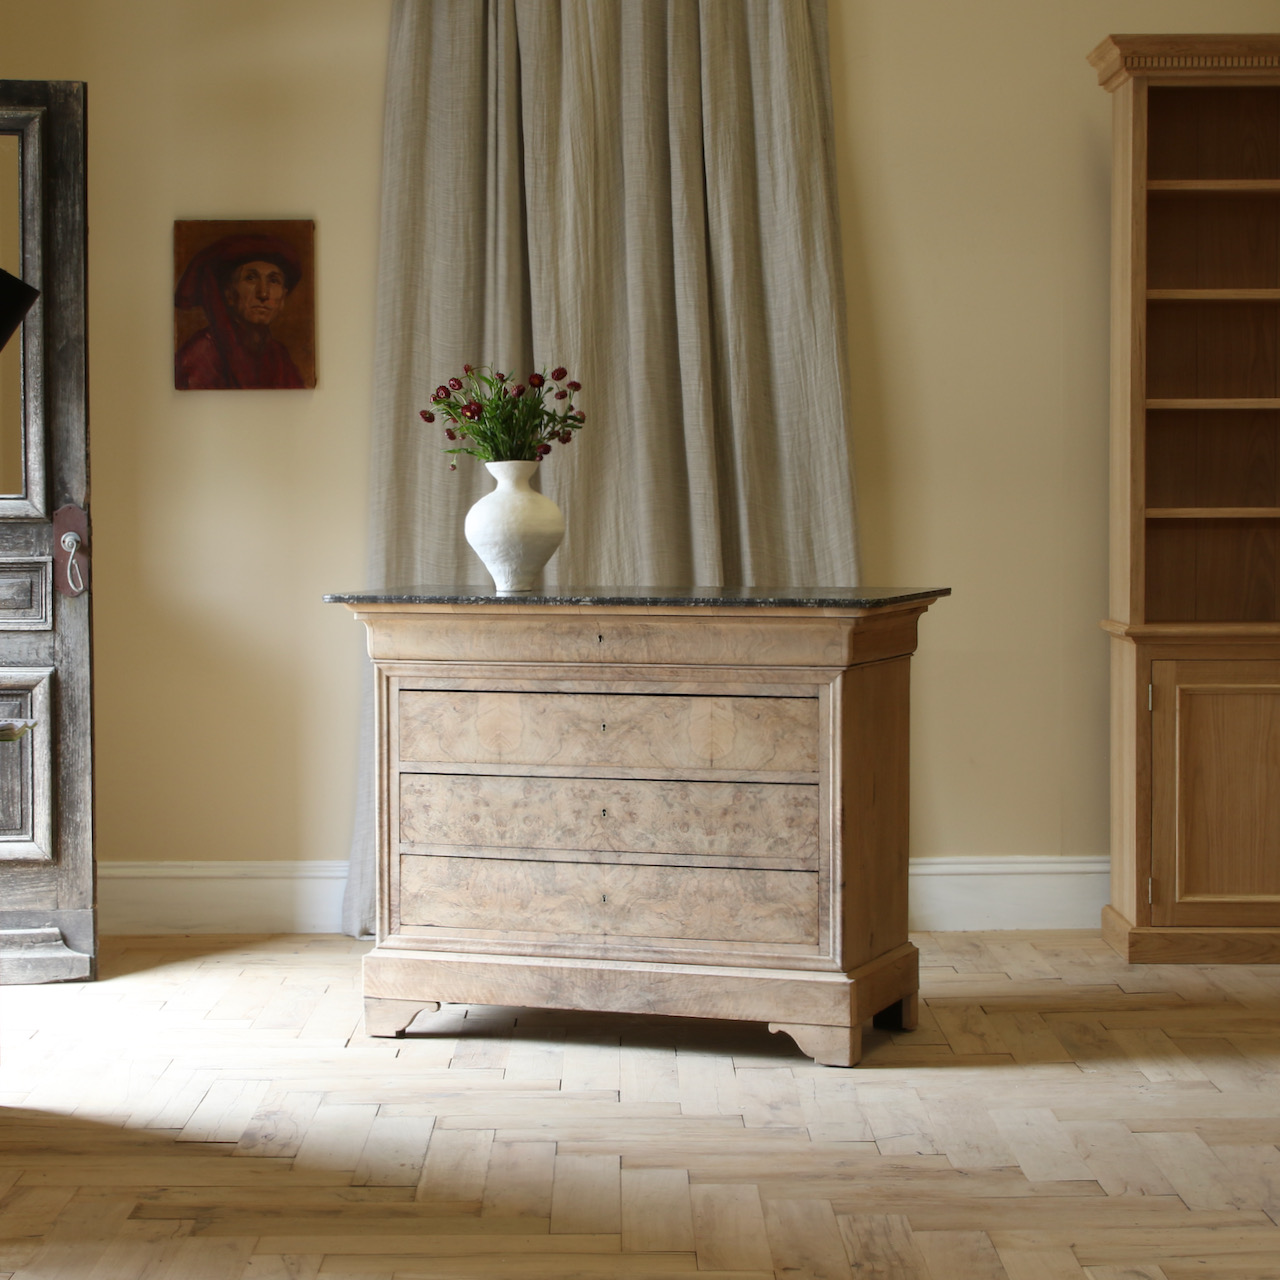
[{"x": 241, "y": 283}]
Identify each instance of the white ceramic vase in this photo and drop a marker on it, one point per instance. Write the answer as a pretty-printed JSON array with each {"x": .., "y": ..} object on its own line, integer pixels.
[{"x": 515, "y": 529}]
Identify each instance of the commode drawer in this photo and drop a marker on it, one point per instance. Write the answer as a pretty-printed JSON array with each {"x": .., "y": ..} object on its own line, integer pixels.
[
  {"x": 653, "y": 731},
  {"x": 594, "y": 900},
  {"x": 698, "y": 820}
]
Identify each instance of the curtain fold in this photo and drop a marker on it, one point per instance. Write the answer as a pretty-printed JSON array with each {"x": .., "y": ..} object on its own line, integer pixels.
[{"x": 643, "y": 191}]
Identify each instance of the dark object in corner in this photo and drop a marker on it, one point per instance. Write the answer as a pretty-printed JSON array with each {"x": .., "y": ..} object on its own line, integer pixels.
[{"x": 16, "y": 298}]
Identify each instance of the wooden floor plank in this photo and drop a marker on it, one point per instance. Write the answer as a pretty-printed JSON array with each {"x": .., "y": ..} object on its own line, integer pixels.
[
  {"x": 394, "y": 1151},
  {"x": 805, "y": 1240},
  {"x": 1041, "y": 1145},
  {"x": 882, "y": 1247},
  {"x": 729, "y": 1229},
  {"x": 456, "y": 1166},
  {"x": 519, "y": 1180},
  {"x": 657, "y": 1213},
  {"x": 959, "y": 1255},
  {"x": 1041, "y": 1264},
  {"x": 586, "y": 1195}
]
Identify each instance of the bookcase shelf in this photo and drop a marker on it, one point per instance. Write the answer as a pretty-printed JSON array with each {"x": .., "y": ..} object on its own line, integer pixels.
[
  {"x": 1214, "y": 184},
  {"x": 1213, "y": 295},
  {"x": 1211, "y": 402},
  {"x": 1195, "y": 509},
  {"x": 1213, "y": 513}
]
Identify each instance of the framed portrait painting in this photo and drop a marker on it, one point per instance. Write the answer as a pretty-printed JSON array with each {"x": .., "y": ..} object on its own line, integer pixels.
[{"x": 244, "y": 305}]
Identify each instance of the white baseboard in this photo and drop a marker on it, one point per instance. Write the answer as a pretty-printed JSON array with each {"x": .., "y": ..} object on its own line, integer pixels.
[
  {"x": 1036, "y": 892},
  {"x": 221, "y": 897},
  {"x": 1013, "y": 892}
]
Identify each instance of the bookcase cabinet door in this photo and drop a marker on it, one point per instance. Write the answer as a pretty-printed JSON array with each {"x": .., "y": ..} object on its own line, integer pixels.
[{"x": 1216, "y": 793}]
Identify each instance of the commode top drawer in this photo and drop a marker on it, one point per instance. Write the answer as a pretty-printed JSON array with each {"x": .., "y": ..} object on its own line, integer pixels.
[{"x": 653, "y": 731}]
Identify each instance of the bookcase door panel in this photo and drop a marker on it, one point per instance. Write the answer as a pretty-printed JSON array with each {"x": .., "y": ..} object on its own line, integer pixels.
[{"x": 1216, "y": 793}]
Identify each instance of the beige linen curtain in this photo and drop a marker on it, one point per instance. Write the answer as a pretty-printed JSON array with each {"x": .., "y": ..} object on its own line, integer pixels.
[{"x": 643, "y": 191}]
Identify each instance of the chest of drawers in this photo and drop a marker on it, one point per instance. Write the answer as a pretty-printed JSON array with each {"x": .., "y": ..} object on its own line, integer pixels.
[{"x": 647, "y": 803}]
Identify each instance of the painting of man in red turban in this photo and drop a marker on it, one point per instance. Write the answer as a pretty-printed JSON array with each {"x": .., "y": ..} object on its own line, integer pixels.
[{"x": 238, "y": 322}]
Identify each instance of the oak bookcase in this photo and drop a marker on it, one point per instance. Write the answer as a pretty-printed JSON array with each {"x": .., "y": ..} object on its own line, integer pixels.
[{"x": 1195, "y": 503}]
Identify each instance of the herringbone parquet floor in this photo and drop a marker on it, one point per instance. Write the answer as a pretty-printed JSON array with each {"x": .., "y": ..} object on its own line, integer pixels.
[{"x": 211, "y": 1110}]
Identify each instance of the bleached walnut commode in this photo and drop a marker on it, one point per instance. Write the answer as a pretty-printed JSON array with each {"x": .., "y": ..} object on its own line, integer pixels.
[{"x": 645, "y": 801}]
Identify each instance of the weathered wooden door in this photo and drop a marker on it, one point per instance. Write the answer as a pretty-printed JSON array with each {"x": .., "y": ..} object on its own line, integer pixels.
[{"x": 47, "y": 931}]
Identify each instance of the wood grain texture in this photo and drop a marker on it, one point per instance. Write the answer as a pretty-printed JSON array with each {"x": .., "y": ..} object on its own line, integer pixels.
[
  {"x": 1214, "y": 131},
  {"x": 1213, "y": 240},
  {"x": 1229, "y": 759},
  {"x": 392, "y": 1017},
  {"x": 743, "y": 1163},
  {"x": 1250, "y": 58},
  {"x": 686, "y": 795},
  {"x": 603, "y": 729},
  {"x": 831, "y": 1046},
  {"x": 1216, "y": 754},
  {"x": 873, "y": 754},
  {"x": 679, "y": 990},
  {"x": 1192, "y": 944},
  {"x": 1195, "y": 485},
  {"x": 699, "y": 820},
  {"x": 1128, "y": 344},
  {"x": 696, "y": 636},
  {"x": 577, "y": 899},
  {"x": 1213, "y": 459},
  {"x": 58, "y": 890}
]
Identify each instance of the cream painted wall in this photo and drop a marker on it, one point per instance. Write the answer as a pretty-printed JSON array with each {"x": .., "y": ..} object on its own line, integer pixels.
[
  {"x": 226, "y": 691},
  {"x": 973, "y": 149},
  {"x": 973, "y": 152}
]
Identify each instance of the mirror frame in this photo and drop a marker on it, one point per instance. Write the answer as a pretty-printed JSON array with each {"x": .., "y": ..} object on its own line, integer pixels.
[{"x": 28, "y": 124}]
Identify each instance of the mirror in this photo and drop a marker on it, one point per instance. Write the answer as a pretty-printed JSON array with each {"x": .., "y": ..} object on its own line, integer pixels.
[
  {"x": 22, "y": 381},
  {"x": 12, "y": 477}
]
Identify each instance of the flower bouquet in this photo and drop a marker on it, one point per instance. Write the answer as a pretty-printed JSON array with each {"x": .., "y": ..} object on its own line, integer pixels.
[
  {"x": 510, "y": 427},
  {"x": 497, "y": 420}
]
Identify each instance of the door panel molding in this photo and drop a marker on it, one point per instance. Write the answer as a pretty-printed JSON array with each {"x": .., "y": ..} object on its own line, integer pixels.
[
  {"x": 26, "y": 593},
  {"x": 26, "y": 767},
  {"x": 1216, "y": 793}
]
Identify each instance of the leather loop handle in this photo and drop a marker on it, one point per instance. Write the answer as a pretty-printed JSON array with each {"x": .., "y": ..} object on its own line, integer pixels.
[{"x": 71, "y": 551}]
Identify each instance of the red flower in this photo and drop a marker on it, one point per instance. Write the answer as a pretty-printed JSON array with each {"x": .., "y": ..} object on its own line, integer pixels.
[
  {"x": 472, "y": 411},
  {"x": 501, "y": 377},
  {"x": 519, "y": 390},
  {"x": 536, "y": 380},
  {"x": 455, "y": 383},
  {"x": 565, "y": 436},
  {"x": 562, "y": 395},
  {"x": 451, "y": 433},
  {"x": 442, "y": 393},
  {"x": 582, "y": 417},
  {"x": 574, "y": 386},
  {"x": 426, "y": 416},
  {"x": 558, "y": 372},
  {"x": 466, "y": 368}
]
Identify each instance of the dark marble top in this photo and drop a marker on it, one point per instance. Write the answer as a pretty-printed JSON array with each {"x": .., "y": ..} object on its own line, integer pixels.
[{"x": 762, "y": 597}]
